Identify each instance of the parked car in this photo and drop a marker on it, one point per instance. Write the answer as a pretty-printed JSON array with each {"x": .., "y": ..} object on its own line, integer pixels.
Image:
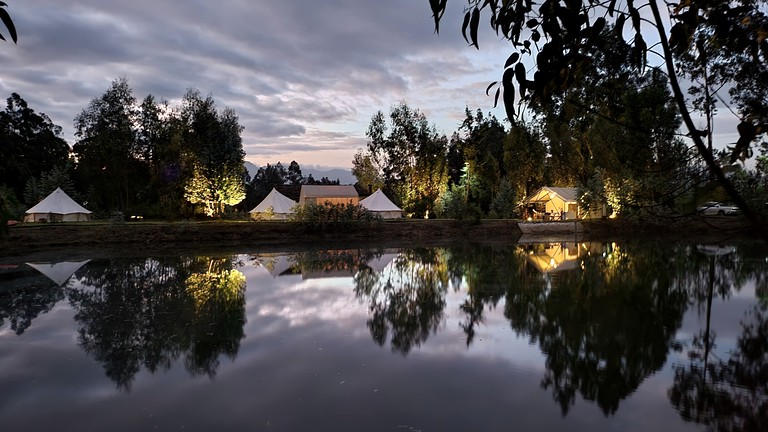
[{"x": 717, "y": 208}]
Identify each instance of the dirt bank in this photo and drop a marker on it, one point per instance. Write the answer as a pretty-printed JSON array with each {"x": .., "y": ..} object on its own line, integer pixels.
[
  {"x": 285, "y": 235},
  {"x": 162, "y": 235}
]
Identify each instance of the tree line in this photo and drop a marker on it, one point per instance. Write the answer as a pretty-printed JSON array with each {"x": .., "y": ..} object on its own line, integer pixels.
[{"x": 132, "y": 157}]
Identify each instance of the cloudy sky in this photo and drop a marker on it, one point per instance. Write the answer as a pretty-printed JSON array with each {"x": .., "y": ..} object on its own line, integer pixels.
[{"x": 304, "y": 76}]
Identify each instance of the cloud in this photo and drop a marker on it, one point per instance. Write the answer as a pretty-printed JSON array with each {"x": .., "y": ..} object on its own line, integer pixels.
[{"x": 295, "y": 71}]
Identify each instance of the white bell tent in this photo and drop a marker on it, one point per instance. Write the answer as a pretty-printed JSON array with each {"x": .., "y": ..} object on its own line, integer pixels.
[
  {"x": 274, "y": 206},
  {"x": 57, "y": 207},
  {"x": 379, "y": 204}
]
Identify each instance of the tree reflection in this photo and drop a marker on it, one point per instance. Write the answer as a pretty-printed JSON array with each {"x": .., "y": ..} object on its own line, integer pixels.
[
  {"x": 732, "y": 394},
  {"x": 150, "y": 312},
  {"x": 407, "y": 302},
  {"x": 607, "y": 326},
  {"x": 604, "y": 322},
  {"x": 22, "y": 299}
]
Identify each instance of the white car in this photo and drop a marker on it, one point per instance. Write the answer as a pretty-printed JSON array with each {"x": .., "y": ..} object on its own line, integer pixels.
[{"x": 717, "y": 208}]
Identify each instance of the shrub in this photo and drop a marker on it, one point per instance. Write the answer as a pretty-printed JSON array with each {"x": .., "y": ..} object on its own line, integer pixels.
[{"x": 326, "y": 216}]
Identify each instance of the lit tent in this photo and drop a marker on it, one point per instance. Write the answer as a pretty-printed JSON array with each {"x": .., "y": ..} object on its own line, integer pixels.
[
  {"x": 379, "y": 204},
  {"x": 57, "y": 207},
  {"x": 274, "y": 206}
]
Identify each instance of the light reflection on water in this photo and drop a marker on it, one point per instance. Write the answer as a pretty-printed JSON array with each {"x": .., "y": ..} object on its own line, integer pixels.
[{"x": 537, "y": 336}]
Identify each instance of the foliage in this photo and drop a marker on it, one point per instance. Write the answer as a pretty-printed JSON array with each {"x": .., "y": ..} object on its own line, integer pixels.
[
  {"x": 214, "y": 137},
  {"x": 40, "y": 187},
  {"x": 7, "y": 22},
  {"x": 365, "y": 171},
  {"x": 214, "y": 189},
  {"x": 453, "y": 203},
  {"x": 524, "y": 159},
  {"x": 410, "y": 155},
  {"x": 562, "y": 39},
  {"x": 30, "y": 144},
  {"x": 481, "y": 145},
  {"x": 505, "y": 204},
  {"x": 327, "y": 216},
  {"x": 107, "y": 155}
]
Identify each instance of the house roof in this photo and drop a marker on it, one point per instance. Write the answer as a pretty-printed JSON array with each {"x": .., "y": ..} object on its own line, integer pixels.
[
  {"x": 565, "y": 193},
  {"x": 329, "y": 191},
  {"x": 58, "y": 202}
]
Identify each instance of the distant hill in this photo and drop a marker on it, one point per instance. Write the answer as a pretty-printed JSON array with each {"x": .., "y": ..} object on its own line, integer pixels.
[{"x": 344, "y": 175}]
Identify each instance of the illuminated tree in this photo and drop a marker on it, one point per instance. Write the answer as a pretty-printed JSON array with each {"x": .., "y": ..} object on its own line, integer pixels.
[
  {"x": 214, "y": 190},
  {"x": 411, "y": 156},
  {"x": 214, "y": 140}
]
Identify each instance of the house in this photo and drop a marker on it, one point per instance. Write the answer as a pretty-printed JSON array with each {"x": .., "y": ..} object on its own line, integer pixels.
[
  {"x": 314, "y": 194},
  {"x": 553, "y": 203},
  {"x": 57, "y": 207}
]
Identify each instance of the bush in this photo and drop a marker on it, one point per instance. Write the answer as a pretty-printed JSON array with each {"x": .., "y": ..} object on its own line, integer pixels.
[{"x": 324, "y": 217}]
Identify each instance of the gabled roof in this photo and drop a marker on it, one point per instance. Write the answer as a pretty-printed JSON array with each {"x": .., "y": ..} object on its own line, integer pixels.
[
  {"x": 379, "y": 202},
  {"x": 58, "y": 202},
  {"x": 329, "y": 191},
  {"x": 566, "y": 194},
  {"x": 279, "y": 203}
]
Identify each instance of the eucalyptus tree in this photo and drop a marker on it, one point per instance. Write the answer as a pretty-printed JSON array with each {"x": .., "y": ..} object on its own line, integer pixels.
[
  {"x": 558, "y": 38},
  {"x": 365, "y": 171},
  {"x": 524, "y": 159},
  {"x": 411, "y": 155},
  {"x": 213, "y": 137},
  {"x": 30, "y": 144},
  {"x": 482, "y": 146},
  {"x": 109, "y": 160}
]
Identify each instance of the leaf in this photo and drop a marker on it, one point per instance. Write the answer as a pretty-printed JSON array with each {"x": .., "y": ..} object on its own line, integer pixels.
[
  {"x": 611, "y": 7},
  {"x": 509, "y": 93},
  {"x": 512, "y": 59},
  {"x": 438, "y": 8},
  {"x": 520, "y": 73},
  {"x": 531, "y": 23},
  {"x": 619, "y": 27},
  {"x": 598, "y": 26},
  {"x": 535, "y": 36},
  {"x": 496, "y": 98},
  {"x": 490, "y": 86},
  {"x": 473, "y": 24},
  {"x": 8, "y": 24},
  {"x": 464, "y": 26},
  {"x": 635, "y": 18}
]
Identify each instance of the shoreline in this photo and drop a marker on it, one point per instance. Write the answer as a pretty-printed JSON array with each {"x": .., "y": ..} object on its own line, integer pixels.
[{"x": 165, "y": 236}]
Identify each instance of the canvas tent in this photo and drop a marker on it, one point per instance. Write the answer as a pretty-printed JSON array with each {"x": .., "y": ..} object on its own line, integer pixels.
[
  {"x": 57, "y": 207},
  {"x": 554, "y": 203},
  {"x": 379, "y": 204},
  {"x": 274, "y": 206},
  {"x": 314, "y": 194}
]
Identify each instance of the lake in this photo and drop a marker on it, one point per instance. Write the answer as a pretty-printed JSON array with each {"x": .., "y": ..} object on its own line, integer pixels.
[{"x": 537, "y": 336}]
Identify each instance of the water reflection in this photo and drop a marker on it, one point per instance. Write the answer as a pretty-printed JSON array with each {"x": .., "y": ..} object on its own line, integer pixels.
[
  {"x": 725, "y": 389},
  {"x": 605, "y": 317},
  {"x": 151, "y": 312}
]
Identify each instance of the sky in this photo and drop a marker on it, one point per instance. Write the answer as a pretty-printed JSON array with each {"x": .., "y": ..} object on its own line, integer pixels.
[{"x": 304, "y": 76}]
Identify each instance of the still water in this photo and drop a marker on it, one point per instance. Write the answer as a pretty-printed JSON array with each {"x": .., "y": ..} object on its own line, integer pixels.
[{"x": 558, "y": 336}]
